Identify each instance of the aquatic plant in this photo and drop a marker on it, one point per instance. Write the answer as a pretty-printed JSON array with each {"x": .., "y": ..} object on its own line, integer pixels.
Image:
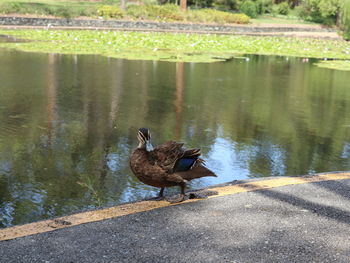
[{"x": 174, "y": 47}]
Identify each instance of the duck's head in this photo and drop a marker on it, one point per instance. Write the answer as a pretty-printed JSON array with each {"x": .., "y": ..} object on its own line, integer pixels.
[{"x": 144, "y": 137}]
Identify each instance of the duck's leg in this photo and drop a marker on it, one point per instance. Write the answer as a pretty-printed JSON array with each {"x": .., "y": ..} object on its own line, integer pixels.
[
  {"x": 183, "y": 187},
  {"x": 159, "y": 197},
  {"x": 182, "y": 195},
  {"x": 161, "y": 192}
]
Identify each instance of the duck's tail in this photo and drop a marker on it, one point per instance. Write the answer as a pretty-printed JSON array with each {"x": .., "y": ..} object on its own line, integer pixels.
[{"x": 197, "y": 171}]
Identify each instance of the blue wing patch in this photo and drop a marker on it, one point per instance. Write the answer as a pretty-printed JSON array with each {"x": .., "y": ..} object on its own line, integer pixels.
[{"x": 184, "y": 164}]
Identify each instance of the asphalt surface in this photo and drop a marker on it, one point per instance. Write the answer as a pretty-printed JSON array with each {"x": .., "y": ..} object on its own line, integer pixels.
[{"x": 297, "y": 223}]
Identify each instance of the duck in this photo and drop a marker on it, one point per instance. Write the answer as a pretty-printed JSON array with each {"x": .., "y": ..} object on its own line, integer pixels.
[{"x": 166, "y": 165}]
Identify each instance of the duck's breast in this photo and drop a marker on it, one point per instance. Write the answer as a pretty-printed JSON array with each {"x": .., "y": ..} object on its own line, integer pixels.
[{"x": 146, "y": 171}]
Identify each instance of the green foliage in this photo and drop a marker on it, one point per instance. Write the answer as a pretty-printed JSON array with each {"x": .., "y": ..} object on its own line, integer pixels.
[
  {"x": 249, "y": 8},
  {"x": 167, "y": 12},
  {"x": 346, "y": 19},
  {"x": 110, "y": 2},
  {"x": 260, "y": 6},
  {"x": 8, "y": 8},
  {"x": 170, "y": 12},
  {"x": 281, "y": 9},
  {"x": 320, "y": 11},
  {"x": 216, "y": 16},
  {"x": 65, "y": 12},
  {"x": 110, "y": 11},
  {"x": 136, "y": 11},
  {"x": 23, "y": 8},
  {"x": 329, "y": 7},
  {"x": 41, "y": 8},
  {"x": 226, "y": 4},
  {"x": 264, "y": 6},
  {"x": 237, "y": 18}
]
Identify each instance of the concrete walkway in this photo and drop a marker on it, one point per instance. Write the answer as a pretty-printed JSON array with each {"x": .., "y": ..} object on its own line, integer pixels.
[{"x": 304, "y": 219}]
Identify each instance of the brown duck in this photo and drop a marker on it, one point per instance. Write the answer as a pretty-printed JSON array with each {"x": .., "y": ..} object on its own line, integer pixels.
[{"x": 167, "y": 165}]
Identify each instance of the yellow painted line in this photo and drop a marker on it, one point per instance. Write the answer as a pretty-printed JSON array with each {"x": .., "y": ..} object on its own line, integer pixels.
[
  {"x": 127, "y": 209},
  {"x": 277, "y": 182}
]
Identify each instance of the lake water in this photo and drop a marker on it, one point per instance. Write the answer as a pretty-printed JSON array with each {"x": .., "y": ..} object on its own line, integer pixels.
[{"x": 68, "y": 124}]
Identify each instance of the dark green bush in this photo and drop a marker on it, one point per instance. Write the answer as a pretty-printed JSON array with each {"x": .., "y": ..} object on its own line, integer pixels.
[
  {"x": 282, "y": 8},
  {"x": 225, "y": 5},
  {"x": 264, "y": 6},
  {"x": 319, "y": 11},
  {"x": 199, "y": 3},
  {"x": 249, "y": 8}
]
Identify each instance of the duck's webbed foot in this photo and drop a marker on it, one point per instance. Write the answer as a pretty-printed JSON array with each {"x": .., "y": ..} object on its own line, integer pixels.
[
  {"x": 201, "y": 194},
  {"x": 176, "y": 199}
]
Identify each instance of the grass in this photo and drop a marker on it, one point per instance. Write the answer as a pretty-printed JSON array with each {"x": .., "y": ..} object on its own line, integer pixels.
[
  {"x": 64, "y": 8},
  {"x": 176, "y": 47},
  {"x": 55, "y": 3},
  {"x": 291, "y": 20},
  {"x": 58, "y": 2}
]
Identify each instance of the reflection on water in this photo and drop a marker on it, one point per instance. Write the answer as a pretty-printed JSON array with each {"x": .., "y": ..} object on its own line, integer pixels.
[{"x": 68, "y": 124}]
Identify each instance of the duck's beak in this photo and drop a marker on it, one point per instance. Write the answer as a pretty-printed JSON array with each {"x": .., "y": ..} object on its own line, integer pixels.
[{"x": 149, "y": 146}]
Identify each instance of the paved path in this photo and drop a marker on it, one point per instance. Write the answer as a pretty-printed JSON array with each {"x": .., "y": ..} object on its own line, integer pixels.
[{"x": 270, "y": 220}]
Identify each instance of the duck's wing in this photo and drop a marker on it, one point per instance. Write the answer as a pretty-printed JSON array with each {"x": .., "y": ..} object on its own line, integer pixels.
[
  {"x": 188, "y": 160},
  {"x": 178, "y": 163},
  {"x": 167, "y": 154}
]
